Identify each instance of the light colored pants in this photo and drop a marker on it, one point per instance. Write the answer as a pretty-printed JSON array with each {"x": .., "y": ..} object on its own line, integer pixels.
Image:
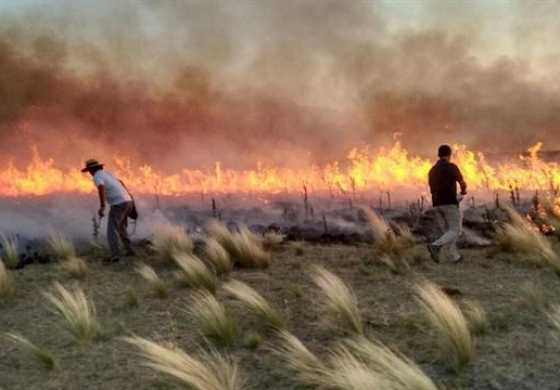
[
  {"x": 116, "y": 227},
  {"x": 450, "y": 219}
]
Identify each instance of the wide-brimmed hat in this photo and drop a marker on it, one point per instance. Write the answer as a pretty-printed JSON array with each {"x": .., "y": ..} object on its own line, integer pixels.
[{"x": 92, "y": 164}]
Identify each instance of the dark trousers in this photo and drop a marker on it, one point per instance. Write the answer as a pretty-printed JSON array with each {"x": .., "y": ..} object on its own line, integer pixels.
[{"x": 116, "y": 227}]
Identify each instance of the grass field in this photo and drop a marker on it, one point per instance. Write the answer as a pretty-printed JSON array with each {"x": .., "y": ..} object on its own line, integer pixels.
[{"x": 517, "y": 349}]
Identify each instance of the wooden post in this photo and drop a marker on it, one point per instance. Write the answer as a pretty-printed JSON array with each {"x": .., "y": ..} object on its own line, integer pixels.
[{"x": 214, "y": 209}]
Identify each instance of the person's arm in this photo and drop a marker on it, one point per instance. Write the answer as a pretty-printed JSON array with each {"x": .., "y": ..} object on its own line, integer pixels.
[
  {"x": 461, "y": 182},
  {"x": 101, "y": 192}
]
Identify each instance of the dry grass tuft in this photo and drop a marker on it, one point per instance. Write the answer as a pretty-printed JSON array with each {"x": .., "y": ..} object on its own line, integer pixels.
[
  {"x": 519, "y": 236},
  {"x": 553, "y": 315},
  {"x": 256, "y": 303},
  {"x": 308, "y": 368},
  {"x": 392, "y": 369},
  {"x": 387, "y": 242},
  {"x": 77, "y": 311},
  {"x": 61, "y": 247},
  {"x": 168, "y": 239},
  {"x": 156, "y": 285},
  {"x": 7, "y": 286},
  {"x": 452, "y": 329},
  {"x": 216, "y": 255},
  {"x": 478, "y": 320},
  {"x": 298, "y": 247},
  {"x": 244, "y": 247},
  {"x": 534, "y": 295},
  {"x": 42, "y": 355},
  {"x": 75, "y": 267},
  {"x": 272, "y": 240},
  {"x": 9, "y": 250},
  {"x": 350, "y": 373},
  {"x": 339, "y": 300},
  {"x": 194, "y": 273},
  {"x": 210, "y": 371},
  {"x": 213, "y": 319}
]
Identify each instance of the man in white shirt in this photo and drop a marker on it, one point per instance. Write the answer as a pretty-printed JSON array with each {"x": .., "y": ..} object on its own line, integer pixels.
[{"x": 112, "y": 191}]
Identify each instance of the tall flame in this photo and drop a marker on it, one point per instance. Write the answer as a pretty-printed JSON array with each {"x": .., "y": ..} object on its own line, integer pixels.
[{"x": 364, "y": 169}]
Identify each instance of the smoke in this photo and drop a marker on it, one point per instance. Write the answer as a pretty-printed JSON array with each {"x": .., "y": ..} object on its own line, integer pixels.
[{"x": 184, "y": 84}]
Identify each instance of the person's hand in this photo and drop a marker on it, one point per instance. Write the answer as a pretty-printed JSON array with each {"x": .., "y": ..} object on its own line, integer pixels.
[
  {"x": 460, "y": 198},
  {"x": 101, "y": 212}
]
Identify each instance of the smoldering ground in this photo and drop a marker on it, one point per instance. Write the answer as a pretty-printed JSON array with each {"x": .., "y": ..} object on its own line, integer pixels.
[{"x": 178, "y": 84}]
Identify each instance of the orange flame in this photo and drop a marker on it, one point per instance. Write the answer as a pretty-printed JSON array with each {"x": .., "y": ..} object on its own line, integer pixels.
[{"x": 364, "y": 170}]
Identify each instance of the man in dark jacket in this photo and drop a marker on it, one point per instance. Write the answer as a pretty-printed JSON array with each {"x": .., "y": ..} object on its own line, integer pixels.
[{"x": 443, "y": 178}]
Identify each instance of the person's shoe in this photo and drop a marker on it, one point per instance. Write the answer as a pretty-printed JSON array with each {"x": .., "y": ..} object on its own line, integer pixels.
[
  {"x": 458, "y": 260},
  {"x": 434, "y": 252}
]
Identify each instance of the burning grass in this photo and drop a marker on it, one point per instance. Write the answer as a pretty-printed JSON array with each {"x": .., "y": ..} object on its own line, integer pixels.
[
  {"x": 339, "y": 301},
  {"x": 42, "y": 355},
  {"x": 520, "y": 237},
  {"x": 77, "y": 311},
  {"x": 256, "y": 303},
  {"x": 168, "y": 239},
  {"x": 212, "y": 318},
  {"x": 9, "y": 250},
  {"x": 7, "y": 286},
  {"x": 194, "y": 273},
  {"x": 217, "y": 256},
  {"x": 75, "y": 267},
  {"x": 60, "y": 246},
  {"x": 209, "y": 371},
  {"x": 447, "y": 319},
  {"x": 156, "y": 285}
]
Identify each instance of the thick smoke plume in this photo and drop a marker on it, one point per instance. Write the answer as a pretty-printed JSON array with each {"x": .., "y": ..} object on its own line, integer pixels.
[{"x": 184, "y": 84}]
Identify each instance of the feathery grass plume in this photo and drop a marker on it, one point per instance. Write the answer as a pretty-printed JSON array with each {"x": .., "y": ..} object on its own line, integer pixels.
[
  {"x": 215, "y": 253},
  {"x": 42, "y": 355},
  {"x": 478, "y": 320},
  {"x": 155, "y": 284},
  {"x": 452, "y": 329},
  {"x": 249, "y": 251},
  {"x": 194, "y": 273},
  {"x": 75, "y": 267},
  {"x": 77, "y": 311},
  {"x": 7, "y": 286},
  {"x": 256, "y": 303},
  {"x": 219, "y": 231},
  {"x": 394, "y": 369},
  {"x": 553, "y": 315},
  {"x": 132, "y": 298},
  {"x": 273, "y": 239},
  {"x": 209, "y": 371},
  {"x": 212, "y": 318},
  {"x": 298, "y": 247},
  {"x": 308, "y": 368},
  {"x": 9, "y": 250},
  {"x": 519, "y": 236},
  {"x": 385, "y": 241},
  {"x": 60, "y": 246},
  {"x": 168, "y": 239},
  {"x": 339, "y": 300},
  {"x": 350, "y": 373}
]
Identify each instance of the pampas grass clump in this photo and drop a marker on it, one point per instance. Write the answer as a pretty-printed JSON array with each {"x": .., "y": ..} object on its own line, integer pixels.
[
  {"x": 339, "y": 300},
  {"x": 7, "y": 287},
  {"x": 77, "y": 311},
  {"x": 217, "y": 256},
  {"x": 75, "y": 267},
  {"x": 395, "y": 370},
  {"x": 209, "y": 371},
  {"x": 42, "y": 355},
  {"x": 308, "y": 368},
  {"x": 350, "y": 373},
  {"x": 273, "y": 239},
  {"x": 477, "y": 317},
  {"x": 256, "y": 303},
  {"x": 452, "y": 329},
  {"x": 194, "y": 273},
  {"x": 168, "y": 239},
  {"x": 60, "y": 246},
  {"x": 519, "y": 236},
  {"x": 219, "y": 232},
  {"x": 9, "y": 250},
  {"x": 213, "y": 319},
  {"x": 155, "y": 284}
]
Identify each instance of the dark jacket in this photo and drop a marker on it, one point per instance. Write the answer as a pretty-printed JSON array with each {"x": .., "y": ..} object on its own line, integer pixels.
[{"x": 444, "y": 177}]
